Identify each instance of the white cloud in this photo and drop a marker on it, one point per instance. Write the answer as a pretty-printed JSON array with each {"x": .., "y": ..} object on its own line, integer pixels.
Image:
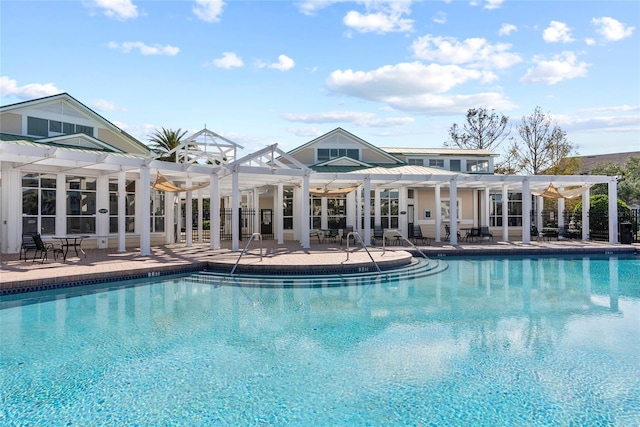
[
  {"x": 400, "y": 80},
  {"x": 103, "y": 105},
  {"x": 477, "y": 52},
  {"x": 589, "y": 41},
  {"x": 9, "y": 87},
  {"x": 381, "y": 17},
  {"x": 208, "y": 10},
  {"x": 611, "y": 29},
  {"x": 310, "y": 7},
  {"x": 440, "y": 18},
  {"x": 284, "y": 64},
  {"x": 564, "y": 66},
  {"x": 357, "y": 118},
  {"x": 488, "y": 4},
  {"x": 557, "y": 32},
  {"x": 119, "y": 9},
  {"x": 229, "y": 60},
  {"x": 450, "y": 104},
  {"x": 507, "y": 29},
  {"x": 144, "y": 49}
]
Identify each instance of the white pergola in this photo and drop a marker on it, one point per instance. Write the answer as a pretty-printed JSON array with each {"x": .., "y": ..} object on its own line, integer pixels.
[{"x": 269, "y": 167}]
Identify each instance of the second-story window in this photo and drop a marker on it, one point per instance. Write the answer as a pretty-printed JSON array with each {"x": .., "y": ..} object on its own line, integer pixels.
[
  {"x": 478, "y": 166},
  {"x": 436, "y": 163},
  {"x": 415, "y": 162},
  {"x": 325, "y": 154}
]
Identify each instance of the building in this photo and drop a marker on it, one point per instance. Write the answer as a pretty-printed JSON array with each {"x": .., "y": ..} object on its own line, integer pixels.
[{"x": 64, "y": 169}]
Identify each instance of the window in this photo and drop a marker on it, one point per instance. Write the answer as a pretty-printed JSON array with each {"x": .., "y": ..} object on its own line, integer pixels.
[
  {"x": 454, "y": 165},
  {"x": 325, "y": 154},
  {"x": 478, "y": 166},
  {"x": 81, "y": 204},
  {"x": 38, "y": 203},
  {"x": 436, "y": 163},
  {"x": 445, "y": 209},
  {"x": 287, "y": 208},
  {"x": 157, "y": 211},
  {"x": 55, "y": 126},
  {"x": 130, "y": 206},
  {"x": 337, "y": 212},
  {"x": 389, "y": 207},
  {"x": 416, "y": 162},
  {"x": 37, "y": 127},
  {"x": 514, "y": 210},
  {"x": 68, "y": 128},
  {"x": 87, "y": 130},
  {"x": 316, "y": 212}
]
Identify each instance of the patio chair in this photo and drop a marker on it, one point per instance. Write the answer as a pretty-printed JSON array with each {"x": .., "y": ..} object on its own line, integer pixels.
[
  {"x": 345, "y": 232},
  {"x": 332, "y": 235},
  {"x": 447, "y": 230},
  {"x": 43, "y": 248},
  {"x": 484, "y": 232},
  {"x": 417, "y": 235},
  {"x": 535, "y": 233},
  {"x": 378, "y": 233},
  {"x": 27, "y": 244}
]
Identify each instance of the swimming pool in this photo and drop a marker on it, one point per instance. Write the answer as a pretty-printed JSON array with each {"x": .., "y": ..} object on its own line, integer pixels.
[{"x": 512, "y": 341}]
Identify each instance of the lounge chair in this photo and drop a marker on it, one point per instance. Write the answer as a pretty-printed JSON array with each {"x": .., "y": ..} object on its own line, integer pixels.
[
  {"x": 345, "y": 232},
  {"x": 43, "y": 248},
  {"x": 484, "y": 232},
  {"x": 27, "y": 244},
  {"x": 417, "y": 235}
]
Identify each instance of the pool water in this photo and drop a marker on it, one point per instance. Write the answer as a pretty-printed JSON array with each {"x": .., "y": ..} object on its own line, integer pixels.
[{"x": 507, "y": 342}]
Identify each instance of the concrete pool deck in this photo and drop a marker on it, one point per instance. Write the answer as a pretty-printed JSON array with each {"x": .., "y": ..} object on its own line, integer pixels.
[{"x": 102, "y": 265}]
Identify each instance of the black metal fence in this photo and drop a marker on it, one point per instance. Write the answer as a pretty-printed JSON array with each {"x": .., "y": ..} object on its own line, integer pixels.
[
  {"x": 628, "y": 224},
  {"x": 226, "y": 230}
]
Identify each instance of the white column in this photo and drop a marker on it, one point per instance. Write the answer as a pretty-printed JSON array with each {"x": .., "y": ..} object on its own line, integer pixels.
[
  {"x": 12, "y": 211},
  {"x": 367, "y": 210},
  {"x": 61, "y": 204},
  {"x": 505, "y": 213},
  {"x": 305, "y": 214},
  {"x": 586, "y": 204},
  {"x": 189, "y": 216},
  {"x": 200, "y": 215},
  {"x": 235, "y": 211},
  {"x": 102, "y": 219},
  {"x": 438, "y": 213},
  {"x": 351, "y": 210},
  {"x": 256, "y": 210},
  {"x": 145, "y": 198},
  {"x": 169, "y": 218},
  {"x": 453, "y": 210},
  {"x": 358, "y": 227},
  {"x": 561, "y": 206},
  {"x": 214, "y": 211},
  {"x": 539, "y": 209},
  {"x": 122, "y": 210},
  {"x": 526, "y": 212},
  {"x": 278, "y": 211},
  {"x": 613, "y": 209},
  {"x": 486, "y": 207},
  {"x": 403, "y": 206},
  {"x": 476, "y": 210},
  {"x": 324, "y": 214},
  {"x": 376, "y": 207}
]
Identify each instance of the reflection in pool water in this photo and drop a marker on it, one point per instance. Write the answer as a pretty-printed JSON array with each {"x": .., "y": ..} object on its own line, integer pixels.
[{"x": 546, "y": 341}]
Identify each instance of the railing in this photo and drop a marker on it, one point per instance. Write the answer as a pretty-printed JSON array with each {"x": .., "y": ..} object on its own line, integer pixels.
[
  {"x": 355, "y": 234},
  {"x": 245, "y": 249},
  {"x": 396, "y": 233}
]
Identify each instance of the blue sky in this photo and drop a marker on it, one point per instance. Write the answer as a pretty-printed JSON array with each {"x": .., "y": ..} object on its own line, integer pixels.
[{"x": 396, "y": 73}]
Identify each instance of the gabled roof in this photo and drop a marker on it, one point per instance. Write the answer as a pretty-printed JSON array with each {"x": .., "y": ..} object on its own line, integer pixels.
[
  {"x": 80, "y": 140},
  {"x": 351, "y": 136},
  {"x": 64, "y": 96},
  {"x": 343, "y": 161},
  {"x": 438, "y": 152}
]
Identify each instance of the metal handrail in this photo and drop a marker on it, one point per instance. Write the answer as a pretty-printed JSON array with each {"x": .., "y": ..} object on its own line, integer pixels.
[
  {"x": 245, "y": 249},
  {"x": 399, "y": 234},
  {"x": 355, "y": 233}
]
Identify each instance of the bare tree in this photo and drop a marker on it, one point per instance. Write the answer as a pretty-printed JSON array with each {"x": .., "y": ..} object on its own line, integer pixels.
[
  {"x": 544, "y": 145},
  {"x": 484, "y": 129}
]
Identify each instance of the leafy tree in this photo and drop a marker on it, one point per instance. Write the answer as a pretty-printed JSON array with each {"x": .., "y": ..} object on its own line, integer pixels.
[
  {"x": 485, "y": 130},
  {"x": 166, "y": 140},
  {"x": 544, "y": 146},
  {"x": 628, "y": 183}
]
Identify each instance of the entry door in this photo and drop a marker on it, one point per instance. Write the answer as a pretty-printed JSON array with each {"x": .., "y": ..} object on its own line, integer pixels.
[{"x": 266, "y": 222}]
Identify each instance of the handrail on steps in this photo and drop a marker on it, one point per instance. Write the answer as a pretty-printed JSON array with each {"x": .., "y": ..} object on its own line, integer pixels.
[
  {"x": 245, "y": 249},
  {"x": 355, "y": 233},
  {"x": 396, "y": 233}
]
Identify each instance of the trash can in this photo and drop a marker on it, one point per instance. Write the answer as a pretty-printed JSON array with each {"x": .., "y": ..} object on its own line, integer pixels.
[{"x": 626, "y": 233}]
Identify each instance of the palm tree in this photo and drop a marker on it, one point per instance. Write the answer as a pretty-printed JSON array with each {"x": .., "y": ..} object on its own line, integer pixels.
[{"x": 166, "y": 140}]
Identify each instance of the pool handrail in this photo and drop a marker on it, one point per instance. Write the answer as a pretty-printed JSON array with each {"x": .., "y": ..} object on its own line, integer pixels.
[
  {"x": 355, "y": 234},
  {"x": 245, "y": 249},
  {"x": 397, "y": 233}
]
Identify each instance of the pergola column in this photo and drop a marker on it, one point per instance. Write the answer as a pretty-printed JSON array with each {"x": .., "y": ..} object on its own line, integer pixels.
[
  {"x": 145, "y": 196},
  {"x": 505, "y": 213},
  {"x": 188, "y": 228},
  {"x": 278, "y": 213},
  {"x": 438, "y": 212},
  {"x": 304, "y": 211},
  {"x": 367, "y": 210},
  {"x": 122, "y": 207},
  {"x": 214, "y": 211},
  {"x": 586, "y": 204},
  {"x": 235, "y": 211},
  {"x": 526, "y": 212},
  {"x": 200, "y": 216},
  {"x": 613, "y": 210},
  {"x": 453, "y": 210}
]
